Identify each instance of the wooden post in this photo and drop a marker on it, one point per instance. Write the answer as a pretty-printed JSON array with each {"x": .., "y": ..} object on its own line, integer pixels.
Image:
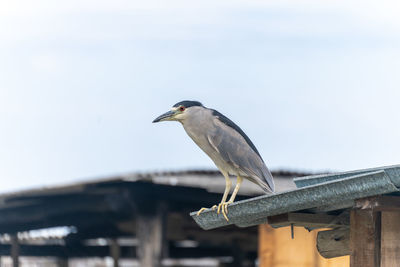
[
  {"x": 150, "y": 225},
  {"x": 15, "y": 250},
  {"x": 390, "y": 238},
  {"x": 375, "y": 232},
  {"x": 115, "y": 251},
  {"x": 365, "y": 231}
]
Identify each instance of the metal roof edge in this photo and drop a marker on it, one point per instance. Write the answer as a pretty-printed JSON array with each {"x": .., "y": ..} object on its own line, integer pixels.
[
  {"x": 393, "y": 170},
  {"x": 255, "y": 210}
]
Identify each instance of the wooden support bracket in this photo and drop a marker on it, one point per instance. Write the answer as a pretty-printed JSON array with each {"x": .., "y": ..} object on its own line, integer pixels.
[
  {"x": 308, "y": 220},
  {"x": 373, "y": 237},
  {"x": 333, "y": 243}
]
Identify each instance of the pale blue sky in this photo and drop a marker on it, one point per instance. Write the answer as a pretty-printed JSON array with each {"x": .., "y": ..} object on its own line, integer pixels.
[{"x": 314, "y": 84}]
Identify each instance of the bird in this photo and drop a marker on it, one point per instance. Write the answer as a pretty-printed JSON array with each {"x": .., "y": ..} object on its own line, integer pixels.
[{"x": 226, "y": 144}]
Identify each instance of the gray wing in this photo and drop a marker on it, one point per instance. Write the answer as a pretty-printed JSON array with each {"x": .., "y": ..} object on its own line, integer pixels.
[{"x": 235, "y": 149}]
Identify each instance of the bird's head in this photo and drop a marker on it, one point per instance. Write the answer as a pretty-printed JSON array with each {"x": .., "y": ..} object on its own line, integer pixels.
[{"x": 179, "y": 111}]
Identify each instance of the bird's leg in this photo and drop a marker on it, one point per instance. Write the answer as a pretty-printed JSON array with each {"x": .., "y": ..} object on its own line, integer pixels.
[
  {"x": 220, "y": 206},
  {"x": 234, "y": 193},
  {"x": 228, "y": 185}
]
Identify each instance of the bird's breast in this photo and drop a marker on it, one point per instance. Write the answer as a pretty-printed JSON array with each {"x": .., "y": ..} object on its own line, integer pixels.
[{"x": 199, "y": 133}]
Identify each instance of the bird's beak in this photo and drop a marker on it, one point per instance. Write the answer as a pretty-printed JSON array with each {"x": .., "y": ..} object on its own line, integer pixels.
[{"x": 167, "y": 116}]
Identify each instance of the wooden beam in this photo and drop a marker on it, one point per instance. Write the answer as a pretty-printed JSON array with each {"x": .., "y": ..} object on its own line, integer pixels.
[
  {"x": 390, "y": 239},
  {"x": 379, "y": 203},
  {"x": 308, "y": 220},
  {"x": 150, "y": 225},
  {"x": 333, "y": 243},
  {"x": 365, "y": 238}
]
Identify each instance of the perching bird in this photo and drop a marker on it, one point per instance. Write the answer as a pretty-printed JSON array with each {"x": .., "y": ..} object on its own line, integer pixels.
[{"x": 225, "y": 143}]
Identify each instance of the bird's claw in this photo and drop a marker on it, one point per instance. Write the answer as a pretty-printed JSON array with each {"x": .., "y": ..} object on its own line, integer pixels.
[
  {"x": 203, "y": 209},
  {"x": 200, "y": 211},
  {"x": 221, "y": 207},
  {"x": 224, "y": 208}
]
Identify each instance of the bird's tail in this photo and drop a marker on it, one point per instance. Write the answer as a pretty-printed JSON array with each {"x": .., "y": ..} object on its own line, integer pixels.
[
  {"x": 263, "y": 178},
  {"x": 267, "y": 184}
]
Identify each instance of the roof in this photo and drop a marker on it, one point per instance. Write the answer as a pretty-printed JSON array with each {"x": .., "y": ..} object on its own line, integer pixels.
[
  {"x": 316, "y": 194},
  {"x": 211, "y": 180},
  {"x": 113, "y": 196},
  {"x": 110, "y": 207}
]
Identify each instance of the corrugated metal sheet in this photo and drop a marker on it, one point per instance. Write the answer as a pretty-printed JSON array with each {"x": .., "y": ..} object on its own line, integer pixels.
[
  {"x": 334, "y": 190},
  {"x": 317, "y": 179}
]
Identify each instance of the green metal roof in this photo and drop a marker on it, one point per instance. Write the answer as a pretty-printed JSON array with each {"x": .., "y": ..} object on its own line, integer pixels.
[{"x": 320, "y": 193}]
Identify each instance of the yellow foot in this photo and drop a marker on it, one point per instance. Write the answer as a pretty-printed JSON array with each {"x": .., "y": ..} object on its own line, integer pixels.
[
  {"x": 224, "y": 208},
  {"x": 203, "y": 209},
  {"x": 221, "y": 207},
  {"x": 200, "y": 211}
]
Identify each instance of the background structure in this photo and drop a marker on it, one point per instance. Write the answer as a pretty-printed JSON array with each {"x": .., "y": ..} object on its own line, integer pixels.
[{"x": 313, "y": 83}]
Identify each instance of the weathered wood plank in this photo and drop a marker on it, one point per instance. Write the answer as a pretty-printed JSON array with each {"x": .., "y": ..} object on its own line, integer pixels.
[
  {"x": 364, "y": 238},
  {"x": 308, "y": 220},
  {"x": 333, "y": 243},
  {"x": 390, "y": 239}
]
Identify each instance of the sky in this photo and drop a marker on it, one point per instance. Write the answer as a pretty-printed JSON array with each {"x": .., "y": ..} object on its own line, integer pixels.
[{"x": 314, "y": 84}]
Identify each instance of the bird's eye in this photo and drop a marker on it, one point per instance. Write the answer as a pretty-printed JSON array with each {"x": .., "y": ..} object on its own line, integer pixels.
[{"x": 181, "y": 108}]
